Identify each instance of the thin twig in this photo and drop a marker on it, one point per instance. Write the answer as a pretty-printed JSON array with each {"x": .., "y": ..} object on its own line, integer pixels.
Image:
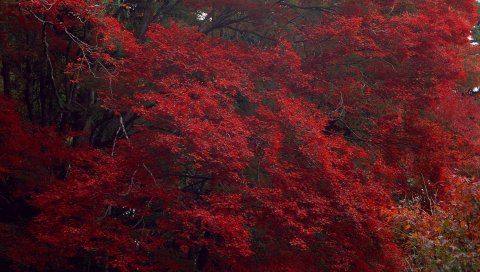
[
  {"x": 123, "y": 128},
  {"x": 50, "y": 65},
  {"x": 132, "y": 180},
  {"x": 150, "y": 173},
  {"x": 115, "y": 140}
]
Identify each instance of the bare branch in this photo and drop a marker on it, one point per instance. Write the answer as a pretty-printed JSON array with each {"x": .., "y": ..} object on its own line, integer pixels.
[{"x": 317, "y": 8}]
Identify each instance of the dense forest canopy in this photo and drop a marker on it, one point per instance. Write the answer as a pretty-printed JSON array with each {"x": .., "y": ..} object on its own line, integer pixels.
[{"x": 239, "y": 135}]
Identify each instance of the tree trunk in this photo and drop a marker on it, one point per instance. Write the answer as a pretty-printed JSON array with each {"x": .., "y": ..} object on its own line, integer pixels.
[
  {"x": 6, "y": 78},
  {"x": 28, "y": 90}
]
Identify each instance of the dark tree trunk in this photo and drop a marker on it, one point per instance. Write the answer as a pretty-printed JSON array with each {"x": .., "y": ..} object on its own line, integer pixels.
[
  {"x": 149, "y": 13},
  {"x": 6, "y": 78},
  {"x": 28, "y": 90},
  {"x": 43, "y": 102}
]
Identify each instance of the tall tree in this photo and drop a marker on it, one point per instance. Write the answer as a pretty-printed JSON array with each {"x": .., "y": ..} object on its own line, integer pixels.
[{"x": 228, "y": 135}]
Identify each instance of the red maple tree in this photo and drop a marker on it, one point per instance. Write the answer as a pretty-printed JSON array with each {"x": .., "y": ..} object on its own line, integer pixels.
[{"x": 228, "y": 135}]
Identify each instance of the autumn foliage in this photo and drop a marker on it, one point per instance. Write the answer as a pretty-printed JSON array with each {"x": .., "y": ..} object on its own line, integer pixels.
[{"x": 239, "y": 135}]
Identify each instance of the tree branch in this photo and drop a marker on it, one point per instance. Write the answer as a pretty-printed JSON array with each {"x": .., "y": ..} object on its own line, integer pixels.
[{"x": 317, "y": 8}]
